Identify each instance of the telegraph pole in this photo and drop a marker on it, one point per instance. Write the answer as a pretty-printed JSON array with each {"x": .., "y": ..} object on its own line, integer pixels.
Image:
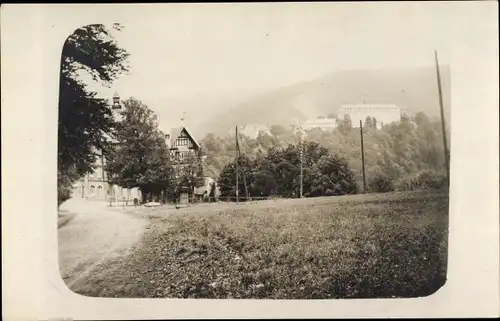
[
  {"x": 301, "y": 156},
  {"x": 442, "y": 118},
  {"x": 237, "y": 161},
  {"x": 362, "y": 155},
  {"x": 301, "y": 169},
  {"x": 243, "y": 170}
]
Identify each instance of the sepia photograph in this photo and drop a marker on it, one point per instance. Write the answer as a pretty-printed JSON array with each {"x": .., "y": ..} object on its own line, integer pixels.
[
  {"x": 250, "y": 160},
  {"x": 286, "y": 160}
]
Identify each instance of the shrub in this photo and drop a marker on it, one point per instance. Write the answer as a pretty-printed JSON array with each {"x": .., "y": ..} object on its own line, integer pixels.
[
  {"x": 428, "y": 179},
  {"x": 381, "y": 183},
  {"x": 407, "y": 183},
  {"x": 423, "y": 180},
  {"x": 65, "y": 182}
]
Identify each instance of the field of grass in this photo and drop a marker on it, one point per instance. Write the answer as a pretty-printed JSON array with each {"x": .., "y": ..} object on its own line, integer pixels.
[
  {"x": 64, "y": 218},
  {"x": 361, "y": 246}
]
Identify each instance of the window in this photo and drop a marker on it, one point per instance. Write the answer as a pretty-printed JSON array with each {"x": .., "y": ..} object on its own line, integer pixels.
[
  {"x": 182, "y": 141},
  {"x": 179, "y": 142}
]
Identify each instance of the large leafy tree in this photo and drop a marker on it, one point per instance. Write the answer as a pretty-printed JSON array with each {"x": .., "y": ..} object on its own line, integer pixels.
[
  {"x": 189, "y": 172},
  {"x": 140, "y": 157},
  {"x": 368, "y": 122},
  {"x": 331, "y": 175},
  {"x": 285, "y": 169},
  {"x": 227, "y": 178},
  {"x": 265, "y": 183},
  {"x": 345, "y": 125},
  {"x": 85, "y": 120}
]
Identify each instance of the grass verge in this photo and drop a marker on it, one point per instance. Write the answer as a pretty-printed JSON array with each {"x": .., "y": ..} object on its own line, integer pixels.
[
  {"x": 362, "y": 246},
  {"x": 63, "y": 218}
]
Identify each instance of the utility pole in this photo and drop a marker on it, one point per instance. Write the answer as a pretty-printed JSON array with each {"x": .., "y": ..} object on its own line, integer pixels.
[
  {"x": 301, "y": 170},
  {"x": 237, "y": 161},
  {"x": 243, "y": 170},
  {"x": 301, "y": 156},
  {"x": 442, "y": 119},
  {"x": 362, "y": 155}
]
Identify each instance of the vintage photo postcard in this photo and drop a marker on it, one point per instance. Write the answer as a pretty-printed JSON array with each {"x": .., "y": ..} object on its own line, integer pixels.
[{"x": 251, "y": 160}]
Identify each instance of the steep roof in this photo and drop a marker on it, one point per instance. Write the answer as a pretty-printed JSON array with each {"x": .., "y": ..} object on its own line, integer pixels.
[{"x": 176, "y": 132}]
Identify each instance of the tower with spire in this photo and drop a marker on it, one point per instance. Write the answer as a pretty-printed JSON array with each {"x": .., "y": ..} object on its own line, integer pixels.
[
  {"x": 96, "y": 185},
  {"x": 116, "y": 107}
]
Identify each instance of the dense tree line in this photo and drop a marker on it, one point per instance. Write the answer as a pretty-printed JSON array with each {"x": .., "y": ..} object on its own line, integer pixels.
[
  {"x": 403, "y": 155},
  {"x": 277, "y": 173}
]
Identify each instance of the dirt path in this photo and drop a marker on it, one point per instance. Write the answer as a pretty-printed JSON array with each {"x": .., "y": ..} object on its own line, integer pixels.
[{"x": 95, "y": 234}]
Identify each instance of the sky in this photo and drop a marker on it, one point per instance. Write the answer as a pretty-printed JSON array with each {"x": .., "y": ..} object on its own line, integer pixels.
[{"x": 204, "y": 58}]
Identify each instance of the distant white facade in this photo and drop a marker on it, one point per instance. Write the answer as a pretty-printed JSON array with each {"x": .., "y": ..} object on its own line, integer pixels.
[
  {"x": 320, "y": 123},
  {"x": 253, "y": 130},
  {"x": 384, "y": 114}
]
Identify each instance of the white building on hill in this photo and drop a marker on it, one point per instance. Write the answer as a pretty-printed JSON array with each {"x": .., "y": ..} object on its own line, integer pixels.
[
  {"x": 321, "y": 123},
  {"x": 384, "y": 114}
]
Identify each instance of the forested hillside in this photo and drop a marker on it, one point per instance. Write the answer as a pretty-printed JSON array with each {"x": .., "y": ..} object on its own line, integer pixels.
[
  {"x": 414, "y": 90},
  {"x": 403, "y": 155}
]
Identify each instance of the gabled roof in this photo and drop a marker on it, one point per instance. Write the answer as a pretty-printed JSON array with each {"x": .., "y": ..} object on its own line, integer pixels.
[{"x": 176, "y": 132}]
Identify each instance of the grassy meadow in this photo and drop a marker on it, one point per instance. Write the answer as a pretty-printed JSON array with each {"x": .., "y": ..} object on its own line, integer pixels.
[{"x": 361, "y": 246}]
